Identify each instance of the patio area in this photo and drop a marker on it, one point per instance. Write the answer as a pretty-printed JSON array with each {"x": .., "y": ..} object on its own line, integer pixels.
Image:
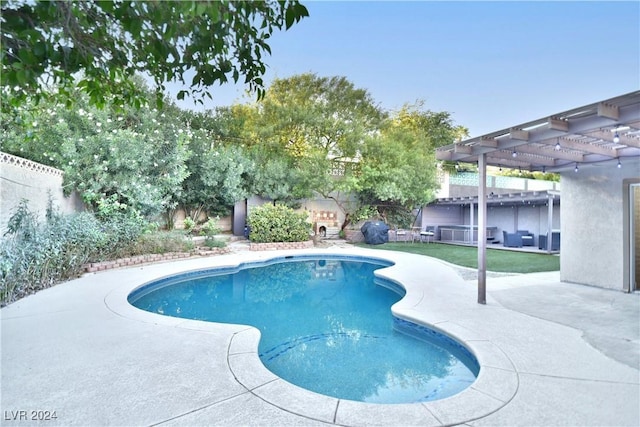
[{"x": 551, "y": 353}]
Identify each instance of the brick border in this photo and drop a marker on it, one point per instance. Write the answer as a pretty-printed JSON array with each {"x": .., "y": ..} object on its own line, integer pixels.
[
  {"x": 144, "y": 259},
  {"x": 280, "y": 245}
]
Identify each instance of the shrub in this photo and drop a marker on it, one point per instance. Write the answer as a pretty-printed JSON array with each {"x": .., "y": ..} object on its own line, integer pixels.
[
  {"x": 277, "y": 223},
  {"x": 214, "y": 243},
  {"x": 36, "y": 255},
  {"x": 189, "y": 224},
  {"x": 209, "y": 230},
  {"x": 120, "y": 232},
  {"x": 160, "y": 242}
]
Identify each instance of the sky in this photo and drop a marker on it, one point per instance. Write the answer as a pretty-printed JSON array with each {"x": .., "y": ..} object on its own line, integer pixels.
[{"x": 491, "y": 65}]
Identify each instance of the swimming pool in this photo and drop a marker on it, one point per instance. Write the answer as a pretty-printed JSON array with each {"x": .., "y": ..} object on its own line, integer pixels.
[{"x": 326, "y": 325}]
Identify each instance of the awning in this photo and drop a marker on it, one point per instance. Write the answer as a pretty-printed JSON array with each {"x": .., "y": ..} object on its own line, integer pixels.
[{"x": 606, "y": 132}]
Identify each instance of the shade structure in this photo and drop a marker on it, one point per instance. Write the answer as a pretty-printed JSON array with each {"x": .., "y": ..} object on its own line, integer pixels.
[{"x": 603, "y": 133}]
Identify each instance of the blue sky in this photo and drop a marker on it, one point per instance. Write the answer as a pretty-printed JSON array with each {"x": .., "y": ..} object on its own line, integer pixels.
[{"x": 492, "y": 65}]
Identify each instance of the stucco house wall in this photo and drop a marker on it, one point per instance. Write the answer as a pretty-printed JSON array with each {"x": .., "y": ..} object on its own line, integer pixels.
[{"x": 592, "y": 230}]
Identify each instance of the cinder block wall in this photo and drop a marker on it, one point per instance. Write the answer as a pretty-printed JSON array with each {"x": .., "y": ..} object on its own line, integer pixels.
[{"x": 23, "y": 179}]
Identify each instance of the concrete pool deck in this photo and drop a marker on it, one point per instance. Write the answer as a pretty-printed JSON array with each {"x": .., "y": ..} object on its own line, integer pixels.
[{"x": 551, "y": 353}]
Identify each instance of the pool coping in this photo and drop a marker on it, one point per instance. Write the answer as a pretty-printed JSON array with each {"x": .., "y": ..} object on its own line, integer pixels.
[{"x": 495, "y": 386}]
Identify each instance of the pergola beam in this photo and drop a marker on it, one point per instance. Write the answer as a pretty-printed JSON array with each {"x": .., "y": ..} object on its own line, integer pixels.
[
  {"x": 519, "y": 134},
  {"x": 585, "y": 135},
  {"x": 557, "y": 124},
  {"x": 623, "y": 138},
  {"x": 551, "y": 153},
  {"x": 462, "y": 149},
  {"x": 488, "y": 142},
  {"x": 608, "y": 111},
  {"x": 524, "y": 159},
  {"x": 629, "y": 142},
  {"x": 507, "y": 162},
  {"x": 574, "y": 144}
]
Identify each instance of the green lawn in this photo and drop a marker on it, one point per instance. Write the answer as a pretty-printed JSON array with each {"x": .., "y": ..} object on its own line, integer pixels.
[{"x": 466, "y": 256}]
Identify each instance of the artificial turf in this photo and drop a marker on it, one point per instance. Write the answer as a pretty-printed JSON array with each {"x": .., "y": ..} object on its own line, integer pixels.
[{"x": 467, "y": 256}]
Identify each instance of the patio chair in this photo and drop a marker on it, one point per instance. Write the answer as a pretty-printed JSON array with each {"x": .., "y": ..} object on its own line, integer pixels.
[
  {"x": 511, "y": 240},
  {"x": 527, "y": 238}
]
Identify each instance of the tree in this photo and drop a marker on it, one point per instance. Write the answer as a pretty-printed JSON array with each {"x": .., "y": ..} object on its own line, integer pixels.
[
  {"x": 308, "y": 114},
  {"x": 278, "y": 179},
  {"x": 47, "y": 43},
  {"x": 309, "y": 126},
  {"x": 397, "y": 171},
  {"x": 218, "y": 177},
  {"x": 133, "y": 160},
  {"x": 220, "y": 165}
]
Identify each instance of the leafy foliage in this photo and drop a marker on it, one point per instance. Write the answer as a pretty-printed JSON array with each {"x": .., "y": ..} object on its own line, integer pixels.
[
  {"x": 277, "y": 223},
  {"x": 309, "y": 135},
  {"x": 36, "y": 255},
  {"x": 160, "y": 242},
  {"x": 217, "y": 177},
  {"x": 278, "y": 178},
  {"x": 50, "y": 42},
  {"x": 189, "y": 224},
  {"x": 209, "y": 230},
  {"x": 133, "y": 160},
  {"x": 311, "y": 123},
  {"x": 397, "y": 171}
]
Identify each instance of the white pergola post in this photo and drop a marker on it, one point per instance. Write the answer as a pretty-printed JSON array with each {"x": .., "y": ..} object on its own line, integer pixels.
[
  {"x": 482, "y": 229},
  {"x": 471, "y": 221},
  {"x": 549, "y": 222}
]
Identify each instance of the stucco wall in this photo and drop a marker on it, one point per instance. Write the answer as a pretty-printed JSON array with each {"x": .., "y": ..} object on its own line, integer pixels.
[
  {"x": 592, "y": 238},
  {"x": 312, "y": 206},
  {"x": 636, "y": 235},
  {"x": 24, "y": 179}
]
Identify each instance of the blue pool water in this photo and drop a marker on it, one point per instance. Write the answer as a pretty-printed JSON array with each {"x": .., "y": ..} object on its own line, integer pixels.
[{"x": 326, "y": 325}]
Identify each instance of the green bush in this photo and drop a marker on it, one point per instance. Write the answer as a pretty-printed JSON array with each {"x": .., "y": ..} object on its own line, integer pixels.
[
  {"x": 277, "y": 223},
  {"x": 214, "y": 243},
  {"x": 36, "y": 255},
  {"x": 160, "y": 242},
  {"x": 189, "y": 224},
  {"x": 209, "y": 230}
]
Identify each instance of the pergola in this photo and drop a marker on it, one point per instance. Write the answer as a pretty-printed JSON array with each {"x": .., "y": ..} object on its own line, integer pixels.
[{"x": 602, "y": 133}]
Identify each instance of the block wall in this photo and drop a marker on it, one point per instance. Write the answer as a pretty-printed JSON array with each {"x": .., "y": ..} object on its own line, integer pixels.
[{"x": 23, "y": 179}]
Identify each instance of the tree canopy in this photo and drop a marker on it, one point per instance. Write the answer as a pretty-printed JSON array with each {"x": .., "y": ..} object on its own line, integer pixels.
[
  {"x": 308, "y": 135},
  {"x": 134, "y": 159},
  {"x": 98, "y": 46},
  {"x": 324, "y": 135},
  {"x": 306, "y": 129},
  {"x": 398, "y": 169}
]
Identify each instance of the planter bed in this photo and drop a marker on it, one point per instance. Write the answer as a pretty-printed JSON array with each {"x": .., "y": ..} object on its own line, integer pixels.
[{"x": 144, "y": 259}]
